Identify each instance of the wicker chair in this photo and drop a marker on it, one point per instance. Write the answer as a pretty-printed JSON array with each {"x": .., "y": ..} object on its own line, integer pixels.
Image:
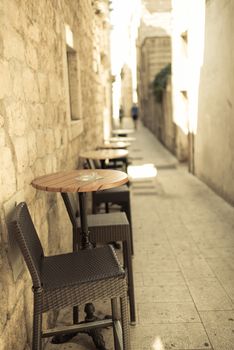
[
  {"x": 118, "y": 195},
  {"x": 70, "y": 279},
  {"x": 103, "y": 229},
  {"x": 118, "y": 164}
]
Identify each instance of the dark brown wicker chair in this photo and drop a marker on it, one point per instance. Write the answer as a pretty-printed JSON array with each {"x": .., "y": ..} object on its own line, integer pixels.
[
  {"x": 118, "y": 195},
  {"x": 118, "y": 164},
  {"x": 105, "y": 228},
  {"x": 70, "y": 279}
]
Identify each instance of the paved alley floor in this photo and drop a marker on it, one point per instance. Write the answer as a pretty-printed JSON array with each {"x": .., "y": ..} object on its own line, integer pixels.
[{"x": 183, "y": 262}]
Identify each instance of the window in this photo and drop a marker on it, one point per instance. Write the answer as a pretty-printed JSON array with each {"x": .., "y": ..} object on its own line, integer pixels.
[
  {"x": 73, "y": 89},
  {"x": 184, "y": 43},
  {"x": 72, "y": 81}
]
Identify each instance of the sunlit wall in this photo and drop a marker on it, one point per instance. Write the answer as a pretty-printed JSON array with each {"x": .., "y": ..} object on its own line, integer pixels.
[
  {"x": 214, "y": 146},
  {"x": 188, "y": 23}
]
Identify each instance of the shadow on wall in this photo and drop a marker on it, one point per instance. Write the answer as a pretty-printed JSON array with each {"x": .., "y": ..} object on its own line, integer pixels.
[{"x": 175, "y": 117}]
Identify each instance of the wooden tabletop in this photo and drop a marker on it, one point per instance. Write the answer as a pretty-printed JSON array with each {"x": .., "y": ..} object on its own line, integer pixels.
[
  {"x": 84, "y": 180},
  {"x": 114, "y": 145},
  {"x": 121, "y": 139},
  {"x": 122, "y": 131},
  {"x": 102, "y": 154}
]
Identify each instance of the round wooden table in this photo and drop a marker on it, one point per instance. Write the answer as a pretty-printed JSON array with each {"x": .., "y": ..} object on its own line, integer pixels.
[
  {"x": 122, "y": 132},
  {"x": 81, "y": 182},
  {"x": 114, "y": 145},
  {"x": 121, "y": 139},
  {"x": 104, "y": 154}
]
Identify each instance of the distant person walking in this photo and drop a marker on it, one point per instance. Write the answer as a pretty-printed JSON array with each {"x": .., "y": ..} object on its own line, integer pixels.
[
  {"x": 134, "y": 113},
  {"x": 121, "y": 115}
]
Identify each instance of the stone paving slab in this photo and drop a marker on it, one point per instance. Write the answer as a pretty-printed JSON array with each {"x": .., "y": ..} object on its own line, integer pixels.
[
  {"x": 220, "y": 328},
  {"x": 167, "y": 312},
  {"x": 179, "y": 336},
  {"x": 209, "y": 294}
]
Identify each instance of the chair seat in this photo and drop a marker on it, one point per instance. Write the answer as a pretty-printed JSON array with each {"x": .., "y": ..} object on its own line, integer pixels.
[
  {"x": 123, "y": 188},
  {"x": 70, "y": 269},
  {"x": 118, "y": 195},
  {"x": 107, "y": 227},
  {"x": 113, "y": 219}
]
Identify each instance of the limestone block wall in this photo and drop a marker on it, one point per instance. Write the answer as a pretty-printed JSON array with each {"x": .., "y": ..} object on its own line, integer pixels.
[
  {"x": 214, "y": 144},
  {"x": 154, "y": 54},
  {"x": 102, "y": 32},
  {"x": 168, "y": 128},
  {"x": 37, "y": 135},
  {"x": 126, "y": 90}
]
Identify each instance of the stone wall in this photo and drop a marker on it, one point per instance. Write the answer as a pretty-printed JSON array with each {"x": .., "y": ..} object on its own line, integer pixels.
[
  {"x": 154, "y": 54},
  {"x": 168, "y": 135},
  {"x": 126, "y": 90},
  {"x": 37, "y": 135},
  {"x": 214, "y": 144},
  {"x": 181, "y": 73},
  {"x": 202, "y": 80}
]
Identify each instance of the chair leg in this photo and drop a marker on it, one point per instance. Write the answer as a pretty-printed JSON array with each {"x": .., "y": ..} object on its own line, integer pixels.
[
  {"x": 75, "y": 314},
  {"x": 124, "y": 321},
  {"x": 94, "y": 205},
  {"x": 107, "y": 207},
  {"x": 37, "y": 321},
  {"x": 131, "y": 294},
  {"x": 126, "y": 207},
  {"x": 114, "y": 308}
]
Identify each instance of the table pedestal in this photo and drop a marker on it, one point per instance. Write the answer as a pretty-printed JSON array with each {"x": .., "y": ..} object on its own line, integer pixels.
[{"x": 85, "y": 242}]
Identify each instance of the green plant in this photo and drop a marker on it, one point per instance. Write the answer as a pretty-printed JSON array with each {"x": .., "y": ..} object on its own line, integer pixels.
[{"x": 160, "y": 82}]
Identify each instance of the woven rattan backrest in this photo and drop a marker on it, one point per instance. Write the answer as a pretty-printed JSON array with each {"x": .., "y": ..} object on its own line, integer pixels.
[
  {"x": 26, "y": 236},
  {"x": 97, "y": 164},
  {"x": 93, "y": 163}
]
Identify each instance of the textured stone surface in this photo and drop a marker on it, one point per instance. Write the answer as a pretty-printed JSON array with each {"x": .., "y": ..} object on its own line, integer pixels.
[{"x": 220, "y": 328}]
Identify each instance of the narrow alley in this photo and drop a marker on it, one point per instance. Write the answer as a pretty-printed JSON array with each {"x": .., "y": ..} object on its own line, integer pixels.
[
  {"x": 183, "y": 262},
  {"x": 116, "y": 181}
]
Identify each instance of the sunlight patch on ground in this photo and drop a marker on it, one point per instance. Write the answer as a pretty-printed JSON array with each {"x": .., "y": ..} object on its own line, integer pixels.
[
  {"x": 141, "y": 172},
  {"x": 158, "y": 345}
]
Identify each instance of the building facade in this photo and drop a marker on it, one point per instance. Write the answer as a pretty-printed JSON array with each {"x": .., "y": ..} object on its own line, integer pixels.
[
  {"x": 153, "y": 54},
  {"x": 202, "y": 80},
  {"x": 126, "y": 90}
]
